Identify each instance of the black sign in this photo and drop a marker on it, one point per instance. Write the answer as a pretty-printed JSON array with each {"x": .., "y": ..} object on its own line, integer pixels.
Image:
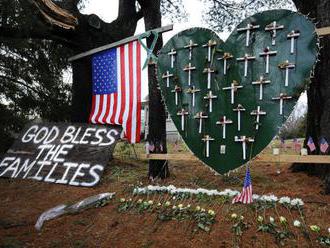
[{"x": 64, "y": 153}]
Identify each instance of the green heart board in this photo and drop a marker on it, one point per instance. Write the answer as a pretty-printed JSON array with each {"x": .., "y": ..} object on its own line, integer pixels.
[{"x": 197, "y": 69}]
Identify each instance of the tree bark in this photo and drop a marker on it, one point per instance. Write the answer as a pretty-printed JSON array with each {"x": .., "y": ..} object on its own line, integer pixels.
[
  {"x": 318, "y": 115},
  {"x": 157, "y": 119}
]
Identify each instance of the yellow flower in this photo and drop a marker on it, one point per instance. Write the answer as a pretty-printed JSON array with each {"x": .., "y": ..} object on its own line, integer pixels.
[
  {"x": 122, "y": 200},
  {"x": 159, "y": 204},
  {"x": 202, "y": 209},
  {"x": 167, "y": 204},
  {"x": 198, "y": 208},
  {"x": 150, "y": 202},
  {"x": 260, "y": 219},
  {"x": 242, "y": 217},
  {"x": 233, "y": 216},
  {"x": 314, "y": 228},
  {"x": 282, "y": 220},
  {"x": 130, "y": 199},
  {"x": 211, "y": 212},
  {"x": 139, "y": 201},
  {"x": 188, "y": 206},
  {"x": 180, "y": 206}
]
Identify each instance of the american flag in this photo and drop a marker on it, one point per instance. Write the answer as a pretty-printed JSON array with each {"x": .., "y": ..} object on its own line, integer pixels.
[
  {"x": 324, "y": 145},
  {"x": 310, "y": 144},
  {"x": 246, "y": 196},
  {"x": 116, "y": 76}
]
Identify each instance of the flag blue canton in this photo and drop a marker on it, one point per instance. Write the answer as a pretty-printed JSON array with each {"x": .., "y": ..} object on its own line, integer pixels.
[
  {"x": 247, "y": 180},
  {"x": 104, "y": 72}
]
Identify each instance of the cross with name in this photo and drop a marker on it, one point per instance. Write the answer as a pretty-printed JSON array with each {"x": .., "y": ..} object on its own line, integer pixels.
[
  {"x": 210, "y": 97},
  {"x": 257, "y": 113},
  {"x": 233, "y": 88},
  {"x": 273, "y": 27},
  {"x": 223, "y": 122},
  {"x": 209, "y": 72},
  {"x": 172, "y": 54},
  {"x": 292, "y": 36},
  {"x": 183, "y": 113},
  {"x": 189, "y": 68},
  {"x": 249, "y": 27},
  {"x": 244, "y": 141},
  {"x": 192, "y": 90},
  {"x": 282, "y": 97},
  {"x": 190, "y": 46},
  {"x": 246, "y": 59},
  {"x": 261, "y": 82},
  {"x": 200, "y": 116},
  {"x": 168, "y": 75},
  {"x": 267, "y": 53},
  {"x": 225, "y": 57},
  {"x": 239, "y": 109},
  {"x": 176, "y": 91},
  {"x": 207, "y": 138},
  {"x": 209, "y": 45},
  {"x": 286, "y": 66}
]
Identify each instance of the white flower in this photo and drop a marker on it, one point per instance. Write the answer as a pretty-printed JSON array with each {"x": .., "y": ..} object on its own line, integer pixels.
[
  {"x": 150, "y": 202},
  {"x": 202, "y": 209},
  {"x": 159, "y": 204},
  {"x": 234, "y": 216},
  {"x": 174, "y": 198},
  {"x": 180, "y": 206},
  {"x": 122, "y": 200},
  {"x": 255, "y": 197},
  {"x": 285, "y": 200},
  {"x": 297, "y": 223},
  {"x": 242, "y": 217},
  {"x": 139, "y": 201},
  {"x": 188, "y": 206},
  {"x": 167, "y": 204},
  {"x": 297, "y": 202},
  {"x": 174, "y": 207},
  {"x": 329, "y": 230},
  {"x": 198, "y": 208},
  {"x": 271, "y": 220}
]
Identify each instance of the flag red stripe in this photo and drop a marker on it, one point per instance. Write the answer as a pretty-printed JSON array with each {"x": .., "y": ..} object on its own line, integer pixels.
[
  {"x": 138, "y": 69},
  {"x": 93, "y": 109},
  {"x": 129, "y": 117},
  {"x": 123, "y": 82}
]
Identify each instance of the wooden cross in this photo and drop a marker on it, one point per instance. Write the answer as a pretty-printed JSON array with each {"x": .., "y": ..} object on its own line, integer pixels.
[
  {"x": 292, "y": 36},
  {"x": 225, "y": 57},
  {"x": 286, "y": 66},
  {"x": 209, "y": 45},
  {"x": 183, "y": 113},
  {"x": 190, "y": 46},
  {"x": 249, "y": 27},
  {"x": 267, "y": 53},
  {"x": 244, "y": 141},
  {"x": 257, "y": 113},
  {"x": 210, "y": 97},
  {"x": 246, "y": 58},
  {"x": 261, "y": 82},
  {"x": 176, "y": 91},
  {"x": 239, "y": 109},
  {"x": 189, "y": 68},
  {"x": 282, "y": 97},
  {"x": 167, "y": 76},
  {"x": 209, "y": 77},
  {"x": 233, "y": 88},
  {"x": 207, "y": 138},
  {"x": 224, "y": 122},
  {"x": 273, "y": 27},
  {"x": 200, "y": 116},
  {"x": 192, "y": 90}
]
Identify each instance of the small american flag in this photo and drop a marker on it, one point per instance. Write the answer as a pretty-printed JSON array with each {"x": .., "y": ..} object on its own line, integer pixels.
[
  {"x": 324, "y": 145},
  {"x": 116, "y": 76},
  {"x": 246, "y": 196},
  {"x": 310, "y": 144}
]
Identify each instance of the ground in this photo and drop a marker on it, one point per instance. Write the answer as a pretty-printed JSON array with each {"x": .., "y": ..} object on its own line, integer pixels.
[{"x": 22, "y": 201}]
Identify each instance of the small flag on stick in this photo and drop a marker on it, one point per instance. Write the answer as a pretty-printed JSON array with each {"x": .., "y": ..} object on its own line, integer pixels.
[
  {"x": 310, "y": 144},
  {"x": 245, "y": 196},
  {"x": 323, "y": 145}
]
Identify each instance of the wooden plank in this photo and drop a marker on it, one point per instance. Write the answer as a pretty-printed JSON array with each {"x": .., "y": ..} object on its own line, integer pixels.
[
  {"x": 323, "y": 31},
  {"x": 117, "y": 43},
  {"x": 263, "y": 158}
]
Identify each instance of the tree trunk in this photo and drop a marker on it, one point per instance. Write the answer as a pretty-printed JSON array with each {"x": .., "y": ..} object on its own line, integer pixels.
[
  {"x": 318, "y": 115},
  {"x": 157, "y": 119}
]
